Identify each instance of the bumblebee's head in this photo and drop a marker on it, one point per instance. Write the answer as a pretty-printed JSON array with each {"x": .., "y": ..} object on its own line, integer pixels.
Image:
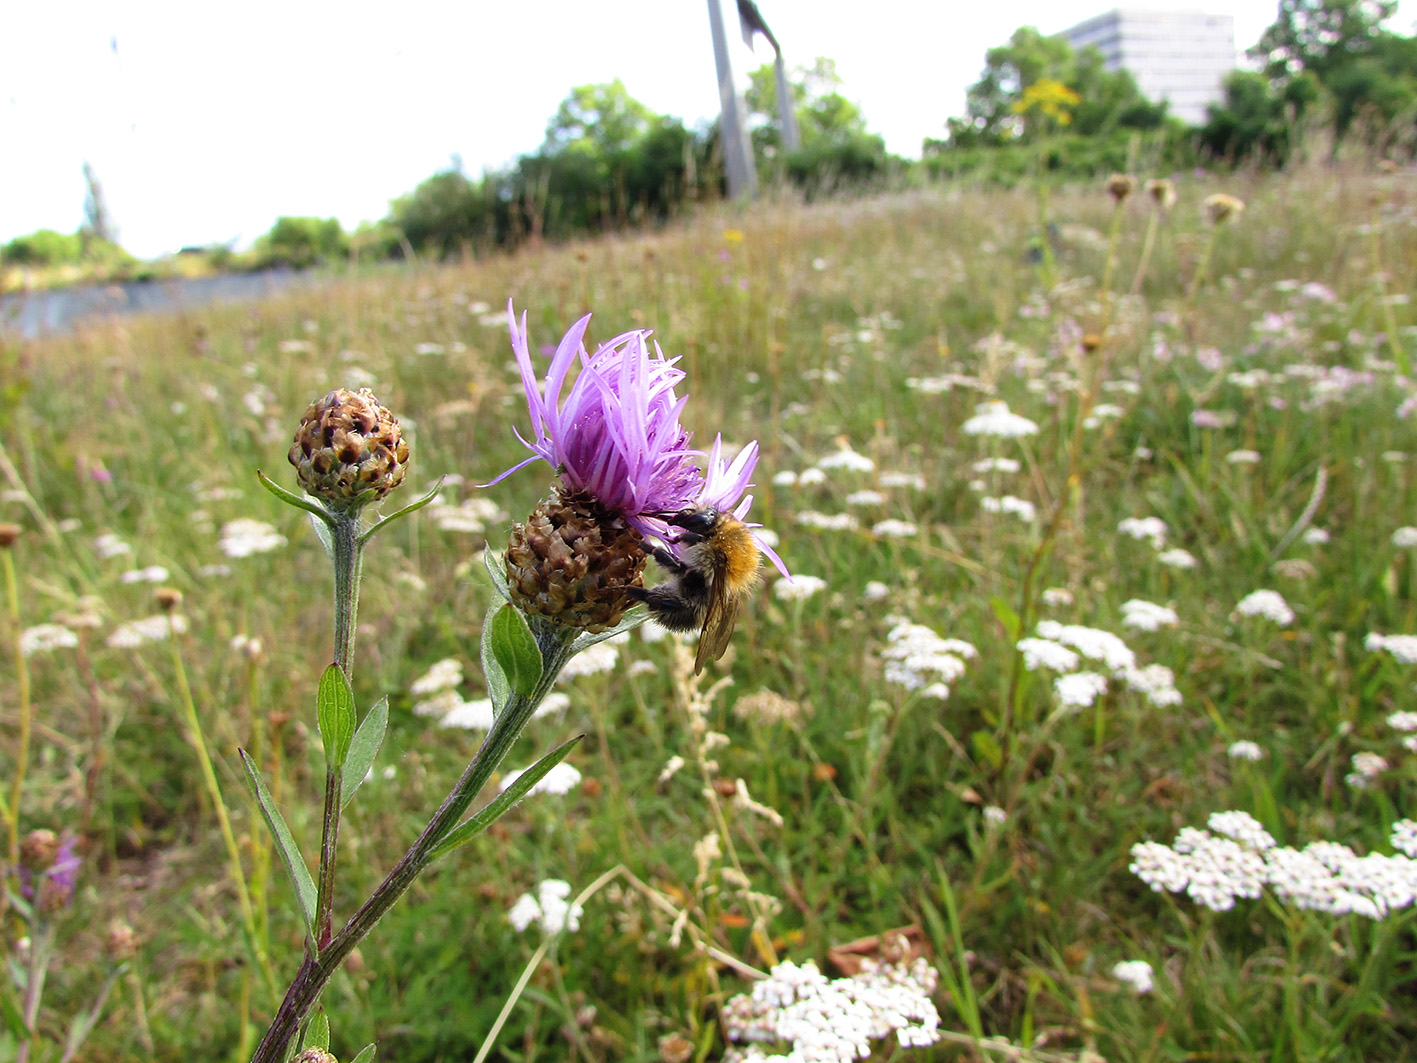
[{"x": 700, "y": 520}]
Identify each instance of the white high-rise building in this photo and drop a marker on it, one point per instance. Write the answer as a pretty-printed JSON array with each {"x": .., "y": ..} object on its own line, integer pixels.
[{"x": 1178, "y": 56}]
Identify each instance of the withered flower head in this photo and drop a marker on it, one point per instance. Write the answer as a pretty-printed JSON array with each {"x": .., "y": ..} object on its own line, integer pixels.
[
  {"x": 571, "y": 560},
  {"x": 1162, "y": 192},
  {"x": 1121, "y": 185},
  {"x": 349, "y": 451},
  {"x": 1221, "y": 208},
  {"x": 38, "y": 850},
  {"x": 122, "y": 942}
]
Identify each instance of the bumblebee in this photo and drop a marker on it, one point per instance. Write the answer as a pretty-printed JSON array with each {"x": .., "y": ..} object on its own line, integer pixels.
[{"x": 703, "y": 589}]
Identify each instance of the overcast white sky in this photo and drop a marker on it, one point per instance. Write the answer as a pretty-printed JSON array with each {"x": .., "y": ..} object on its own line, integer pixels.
[{"x": 205, "y": 121}]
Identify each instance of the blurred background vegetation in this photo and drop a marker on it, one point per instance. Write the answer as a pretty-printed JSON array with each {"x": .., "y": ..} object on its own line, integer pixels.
[{"x": 1327, "y": 76}]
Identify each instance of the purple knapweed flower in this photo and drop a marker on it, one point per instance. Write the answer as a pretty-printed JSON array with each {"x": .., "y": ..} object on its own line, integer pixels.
[
  {"x": 724, "y": 486},
  {"x": 615, "y": 433}
]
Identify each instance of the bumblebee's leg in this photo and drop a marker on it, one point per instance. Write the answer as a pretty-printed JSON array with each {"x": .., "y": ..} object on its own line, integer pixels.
[
  {"x": 664, "y": 557},
  {"x": 669, "y": 607}
]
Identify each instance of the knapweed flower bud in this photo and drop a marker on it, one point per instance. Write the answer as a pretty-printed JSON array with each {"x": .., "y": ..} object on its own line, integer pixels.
[
  {"x": 167, "y": 598},
  {"x": 38, "y": 850},
  {"x": 1221, "y": 208},
  {"x": 675, "y": 1048},
  {"x": 1162, "y": 192},
  {"x": 56, "y": 890},
  {"x": 9, "y": 534},
  {"x": 571, "y": 561},
  {"x": 349, "y": 450},
  {"x": 121, "y": 942},
  {"x": 1121, "y": 185}
]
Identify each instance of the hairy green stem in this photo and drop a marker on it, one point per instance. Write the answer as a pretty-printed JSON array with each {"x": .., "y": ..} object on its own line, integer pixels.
[
  {"x": 228, "y": 836},
  {"x": 22, "y": 690},
  {"x": 348, "y": 560},
  {"x": 315, "y": 972}
]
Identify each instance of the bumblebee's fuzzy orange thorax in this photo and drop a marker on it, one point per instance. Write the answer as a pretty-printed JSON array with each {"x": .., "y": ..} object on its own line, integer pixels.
[{"x": 740, "y": 556}]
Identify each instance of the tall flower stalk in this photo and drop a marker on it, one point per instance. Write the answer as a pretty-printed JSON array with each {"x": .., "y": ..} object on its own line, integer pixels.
[{"x": 624, "y": 465}]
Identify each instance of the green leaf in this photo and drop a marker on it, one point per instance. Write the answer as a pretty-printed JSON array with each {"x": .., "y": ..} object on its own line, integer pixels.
[
  {"x": 317, "y": 1032},
  {"x": 323, "y": 533},
  {"x": 515, "y": 650},
  {"x": 285, "y": 842},
  {"x": 1004, "y": 613},
  {"x": 366, "y": 1056},
  {"x": 336, "y": 715},
  {"x": 14, "y": 1019},
  {"x": 298, "y": 501},
  {"x": 364, "y": 747},
  {"x": 410, "y": 508},
  {"x": 497, "y": 568},
  {"x": 498, "y": 689},
  {"x": 628, "y": 623},
  {"x": 499, "y": 805},
  {"x": 986, "y": 747}
]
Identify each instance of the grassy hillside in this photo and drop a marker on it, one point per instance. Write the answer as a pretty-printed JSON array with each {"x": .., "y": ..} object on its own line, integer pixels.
[{"x": 1257, "y": 414}]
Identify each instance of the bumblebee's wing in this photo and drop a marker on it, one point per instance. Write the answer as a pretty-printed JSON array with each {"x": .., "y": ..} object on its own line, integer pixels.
[{"x": 718, "y": 625}]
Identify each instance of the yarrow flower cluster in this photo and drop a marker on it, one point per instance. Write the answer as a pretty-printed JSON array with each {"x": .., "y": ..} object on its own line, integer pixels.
[
  {"x": 44, "y": 638},
  {"x": 919, "y": 659},
  {"x": 1147, "y": 616},
  {"x": 994, "y": 418},
  {"x": 1267, "y": 604},
  {"x": 1146, "y": 529},
  {"x": 547, "y": 908},
  {"x": 244, "y": 537},
  {"x": 1135, "y": 973},
  {"x": 833, "y": 1021},
  {"x": 1060, "y": 648},
  {"x": 154, "y": 628},
  {"x": 1402, "y": 647},
  {"x": 561, "y": 779},
  {"x": 1241, "y": 859}
]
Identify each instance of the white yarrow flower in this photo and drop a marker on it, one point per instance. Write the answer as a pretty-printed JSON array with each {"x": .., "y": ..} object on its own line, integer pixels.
[
  {"x": 149, "y": 629},
  {"x": 244, "y": 537},
  {"x": 1080, "y": 689},
  {"x": 547, "y": 908},
  {"x": 1245, "y": 750},
  {"x": 43, "y": 638},
  {"x": 1267, "y": 604},
  {"x": 1147, "y": 616},
  {"x": 994, "y": 419},
  {"x": 1147, "y": 529},
  {"x": 798, "y": 589},
  {"x": 1405, "y": 538},
  {"x": 1135, "y": 973},
  {"x": 561, "y": 779}
]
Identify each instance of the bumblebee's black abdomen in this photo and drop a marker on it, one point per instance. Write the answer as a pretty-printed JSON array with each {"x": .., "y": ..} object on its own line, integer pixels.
[
  {"x": 679, "y": 604},
  {"x": 673, "y": 611}
]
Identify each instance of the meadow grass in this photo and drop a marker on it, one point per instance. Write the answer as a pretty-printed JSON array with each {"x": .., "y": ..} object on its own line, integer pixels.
[{"x": 878, "y": 325}]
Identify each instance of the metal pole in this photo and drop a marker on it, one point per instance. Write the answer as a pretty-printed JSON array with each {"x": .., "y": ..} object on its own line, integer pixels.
[
  {"x": 733, "y": 130},
  {"x": 786, "y": 113}
]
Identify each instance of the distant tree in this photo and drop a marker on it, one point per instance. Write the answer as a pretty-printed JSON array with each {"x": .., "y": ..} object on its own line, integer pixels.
[
  {"x": 603, "y": 120},
  {"x": 1336, "y": 52},
  {"x": 43, "y": 248},
  {"x": 606, "y": 157},
  {"x": 97, "y": 222},
  {"x": 1319, "y": 35},
  {"x": 1027, "y": 90},
  {"x": 817, "y": 101},
  {"x": 1254, "y": 119},
  {"x": 447, "y": 212},
  {"x": 302, "y": 242}
]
